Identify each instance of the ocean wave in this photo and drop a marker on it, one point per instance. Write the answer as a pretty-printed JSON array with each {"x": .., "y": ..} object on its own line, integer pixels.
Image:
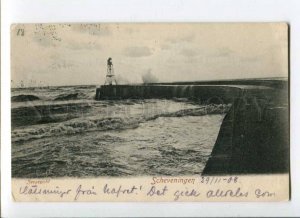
[
  {"x": 65, "y": 97},
  {"x": 22, "y": 98},
  {"x": 53, "y": 94},
  {"x": 74, "y": 126},
  {"x": 48, "y": 113},
  {"x": 83, "y": 124},
  {"x": 80, "y": 95},
  {"x": 200, "y": 111}
]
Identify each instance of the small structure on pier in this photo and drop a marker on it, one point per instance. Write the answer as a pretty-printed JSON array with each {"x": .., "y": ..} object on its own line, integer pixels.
[{"x": 110, "y": 76}]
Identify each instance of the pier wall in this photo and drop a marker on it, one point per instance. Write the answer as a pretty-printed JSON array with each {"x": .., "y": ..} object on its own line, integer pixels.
[
  {"x": 254, "y": 135},
  {"x": 205, "y": 94}
]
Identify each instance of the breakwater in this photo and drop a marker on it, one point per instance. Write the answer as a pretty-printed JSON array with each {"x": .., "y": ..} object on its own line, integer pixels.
[
  {"x": 206, "y": 93},
  {"x": 254, "y": 135}
]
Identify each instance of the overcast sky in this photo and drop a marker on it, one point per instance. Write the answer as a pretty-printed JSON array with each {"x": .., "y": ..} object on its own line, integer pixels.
[{"x": 75, "y": 54}]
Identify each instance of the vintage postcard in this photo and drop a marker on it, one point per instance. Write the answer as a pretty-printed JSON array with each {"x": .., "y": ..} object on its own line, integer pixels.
[{"x": 150, "y": 112}]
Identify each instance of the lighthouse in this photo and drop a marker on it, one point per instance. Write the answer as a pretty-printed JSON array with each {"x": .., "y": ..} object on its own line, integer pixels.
[{"x": 110, "y": 76}]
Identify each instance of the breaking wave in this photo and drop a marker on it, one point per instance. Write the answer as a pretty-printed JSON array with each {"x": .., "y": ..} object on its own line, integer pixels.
[
  {"x": 53, "y": 93},
  {"x": 67, "y": 97},
  {"x": 22, "y": 98},
  {"x": 81, "y": 125},
  {"x": 48, "y": 113}
]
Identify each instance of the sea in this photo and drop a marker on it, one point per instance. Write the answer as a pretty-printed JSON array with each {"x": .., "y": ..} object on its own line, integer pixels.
[{"x": 64, "y": 132}]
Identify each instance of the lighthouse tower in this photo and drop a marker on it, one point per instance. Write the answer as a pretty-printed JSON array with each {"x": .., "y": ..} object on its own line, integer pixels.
[{"x": 110, "y": 76}]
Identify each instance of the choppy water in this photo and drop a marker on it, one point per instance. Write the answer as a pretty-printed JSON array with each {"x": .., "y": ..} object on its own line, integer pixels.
[{"x": 64, "y": 132}]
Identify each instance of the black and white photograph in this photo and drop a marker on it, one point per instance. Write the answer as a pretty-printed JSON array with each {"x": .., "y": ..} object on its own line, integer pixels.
[{"x": 163, "y": 99}]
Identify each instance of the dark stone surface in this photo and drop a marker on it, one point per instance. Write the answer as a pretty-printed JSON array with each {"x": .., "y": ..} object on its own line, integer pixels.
[
  {"x": 254, "y": 136},
  {"x": 204, "y": 94}
]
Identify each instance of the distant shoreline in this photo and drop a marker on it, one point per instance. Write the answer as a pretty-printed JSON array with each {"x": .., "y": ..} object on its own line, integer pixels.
[{"x": 226, "y": 81}]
